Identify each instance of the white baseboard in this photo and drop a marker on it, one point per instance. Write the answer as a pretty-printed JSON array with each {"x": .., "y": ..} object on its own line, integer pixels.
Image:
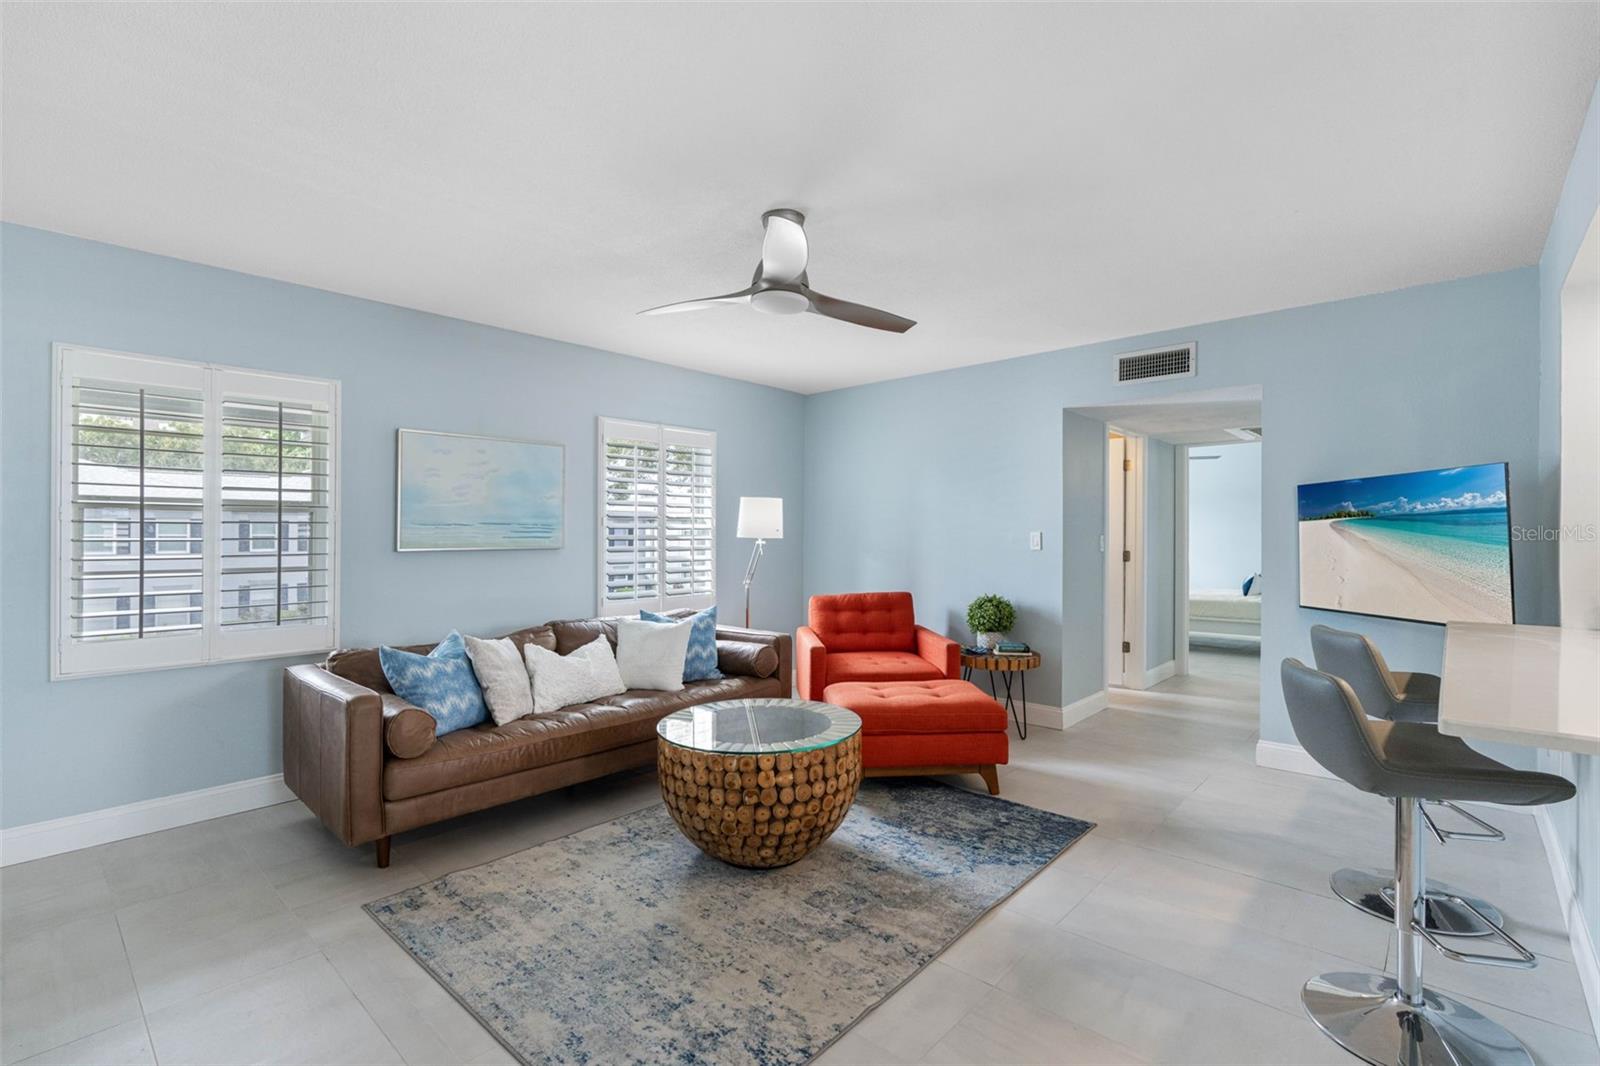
[
  {"x": 1084, "y": 709},
  {"x": 1156, "y": 675},
  {"x": 1584, "y": 955},
  {"x": 1276, "y": 755},
  {"x": 40, "y": 839}
]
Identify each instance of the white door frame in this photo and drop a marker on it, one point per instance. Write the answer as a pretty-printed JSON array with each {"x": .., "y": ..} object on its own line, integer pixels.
[
  {"x": 1124, "y": 614},
  {"x": 1180, "y": 570}
]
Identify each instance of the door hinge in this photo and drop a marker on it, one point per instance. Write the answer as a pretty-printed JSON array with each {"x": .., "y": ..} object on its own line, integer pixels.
[
  {"x": 1127, "y": 646},
  {"x": 1127, "y": 464},
  {"x": 1127, "y": 556}
]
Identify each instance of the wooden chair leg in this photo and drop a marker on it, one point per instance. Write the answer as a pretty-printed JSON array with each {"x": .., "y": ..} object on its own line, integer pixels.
[
  {"x": 991, "y": 777},
  {"x": 383, "y": 850}
]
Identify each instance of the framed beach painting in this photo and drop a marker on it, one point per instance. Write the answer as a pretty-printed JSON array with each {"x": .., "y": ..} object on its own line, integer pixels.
[
  {"x": 456, "y": 492},
  {"x": 1427, "y": 546}
]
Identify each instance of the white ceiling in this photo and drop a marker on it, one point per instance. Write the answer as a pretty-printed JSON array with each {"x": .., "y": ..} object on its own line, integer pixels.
[{"x": 1015, "y": 177}]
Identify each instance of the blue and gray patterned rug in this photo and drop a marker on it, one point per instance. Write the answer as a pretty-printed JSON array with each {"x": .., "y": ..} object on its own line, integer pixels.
[{"x": 623, "y": 943}]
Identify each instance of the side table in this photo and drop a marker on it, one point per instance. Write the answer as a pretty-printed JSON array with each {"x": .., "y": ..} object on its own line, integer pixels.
[{"x": 1010, "y": 668}]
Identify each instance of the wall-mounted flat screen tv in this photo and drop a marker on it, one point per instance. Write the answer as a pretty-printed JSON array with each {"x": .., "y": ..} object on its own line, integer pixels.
[{"x": 1429, "y": 546}]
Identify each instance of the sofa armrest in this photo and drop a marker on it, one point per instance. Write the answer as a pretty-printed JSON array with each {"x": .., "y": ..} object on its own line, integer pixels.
[
  {"x": 782, "y": 642},
  {"x": 333, "y": 750},
  {"x": 811, "y": 663},
  {"x": 939, "y": 650}
]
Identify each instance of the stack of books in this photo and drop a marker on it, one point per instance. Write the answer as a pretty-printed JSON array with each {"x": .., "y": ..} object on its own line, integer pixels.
[{"x": 1004, "y": 648}]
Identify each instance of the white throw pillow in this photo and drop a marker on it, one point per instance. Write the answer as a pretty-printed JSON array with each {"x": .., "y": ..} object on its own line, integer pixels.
[
  {"x": 502, "y": 676},
  {"x": 650, "y": 654},
  {"x": 604, "y": 662},
  {"x": 563, "y": 680}
]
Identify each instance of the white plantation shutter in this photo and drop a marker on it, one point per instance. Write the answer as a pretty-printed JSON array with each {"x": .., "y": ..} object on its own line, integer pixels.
[
  {"x": 274, "y": 569},
  {"x": 657, "y": 517},
  {"x": 161, "y": 466},
  {"x": 131, "y": 532},
  {"x": 689, "y": 516}
]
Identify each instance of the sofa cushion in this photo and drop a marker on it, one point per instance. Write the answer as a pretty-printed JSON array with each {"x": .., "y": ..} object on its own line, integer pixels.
[
  {"x": 361, "y": 665},
  {"x": 488, "y": 751},
  {"x": 864, "y": 621},
  {"x": 574, "y": 633},
  {"x": 726, "y": 688},
  {"x": 942, "y": 706},
  {"x": 880, "y": 666},
  {"x": 746, "y": 658}
]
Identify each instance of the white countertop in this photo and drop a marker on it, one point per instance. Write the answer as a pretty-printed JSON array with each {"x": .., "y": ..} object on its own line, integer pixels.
[{"x": 1532, "y": 685}]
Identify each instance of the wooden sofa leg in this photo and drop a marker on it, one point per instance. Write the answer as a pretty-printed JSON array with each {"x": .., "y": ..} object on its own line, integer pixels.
[
  {"x": 990, "y": 775},
  {"x": 383, "y": 844}
]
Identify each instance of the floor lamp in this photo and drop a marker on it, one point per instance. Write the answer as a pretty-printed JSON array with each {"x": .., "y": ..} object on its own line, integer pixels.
[{"x": 761, "y": 518}]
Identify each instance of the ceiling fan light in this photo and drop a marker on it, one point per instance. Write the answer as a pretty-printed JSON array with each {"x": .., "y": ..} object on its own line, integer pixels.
[{"x": 779, "y": 302}]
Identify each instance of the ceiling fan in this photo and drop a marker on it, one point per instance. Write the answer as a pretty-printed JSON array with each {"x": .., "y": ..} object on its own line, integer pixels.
[{"x": 780, "y": 286}]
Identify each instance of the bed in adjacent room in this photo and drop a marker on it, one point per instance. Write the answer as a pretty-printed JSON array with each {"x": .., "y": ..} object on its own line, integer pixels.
[{"x": 1224, "y": 613}]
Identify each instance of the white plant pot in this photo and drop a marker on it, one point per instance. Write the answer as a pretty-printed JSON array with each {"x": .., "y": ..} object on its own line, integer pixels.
[{"x": 988, "y": 640}]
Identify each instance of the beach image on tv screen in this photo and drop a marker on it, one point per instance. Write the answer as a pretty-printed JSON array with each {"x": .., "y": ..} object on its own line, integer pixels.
[{"x": 1434, "y": 546}]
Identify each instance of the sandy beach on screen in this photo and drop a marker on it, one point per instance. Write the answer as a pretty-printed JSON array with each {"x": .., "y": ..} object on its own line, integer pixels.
[{"x": 1342, "y": 570}]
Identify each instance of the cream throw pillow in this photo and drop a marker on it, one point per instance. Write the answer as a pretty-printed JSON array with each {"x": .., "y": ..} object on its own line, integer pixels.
[
  {"x": 650, "y": 654},
  {"x": 563, "y": 680},
  {"x": 503, "y": 678}
]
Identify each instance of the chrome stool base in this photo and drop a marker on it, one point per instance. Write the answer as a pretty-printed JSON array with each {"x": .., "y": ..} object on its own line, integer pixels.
[
  {"x": 1373, "y": 891},
  {"x": 1365, "y": 1014}
]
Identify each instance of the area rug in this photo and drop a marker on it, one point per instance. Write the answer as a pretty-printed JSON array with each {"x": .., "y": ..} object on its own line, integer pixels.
[{"x": 623, "y": 943}]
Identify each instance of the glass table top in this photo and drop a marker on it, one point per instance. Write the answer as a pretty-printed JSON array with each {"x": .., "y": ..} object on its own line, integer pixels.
[{"x": 742, "y": 727}]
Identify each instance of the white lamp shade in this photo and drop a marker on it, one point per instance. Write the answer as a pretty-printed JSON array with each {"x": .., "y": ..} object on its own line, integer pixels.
[{"x": 761, "y": 517}]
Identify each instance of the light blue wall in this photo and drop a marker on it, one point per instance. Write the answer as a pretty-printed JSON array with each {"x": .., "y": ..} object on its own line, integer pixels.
[
  {"x": 1160, "y": 516},
  {"x": 1576, "y": 822},
  {"x": 1074, "y": 553},
  {"x": 1225, "y": 516},
  {"x": 931, "y": 483},
  {"x": 74, "y": 746}
]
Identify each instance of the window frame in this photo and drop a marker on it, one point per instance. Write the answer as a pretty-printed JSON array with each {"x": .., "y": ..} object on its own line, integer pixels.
[
  {"x": 662, "y": 436},
  {"x": 71, "y": 658}
]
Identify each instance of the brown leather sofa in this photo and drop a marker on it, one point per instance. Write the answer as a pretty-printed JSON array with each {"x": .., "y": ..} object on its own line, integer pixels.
[{"x": 367, "y": 762}]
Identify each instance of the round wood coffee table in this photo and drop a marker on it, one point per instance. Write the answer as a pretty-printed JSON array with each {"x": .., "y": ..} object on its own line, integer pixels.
[{"x": 759, "y": 783}]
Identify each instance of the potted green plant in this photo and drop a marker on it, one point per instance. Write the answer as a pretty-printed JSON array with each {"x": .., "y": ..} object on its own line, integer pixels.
[{"x": 989, "y": 617}]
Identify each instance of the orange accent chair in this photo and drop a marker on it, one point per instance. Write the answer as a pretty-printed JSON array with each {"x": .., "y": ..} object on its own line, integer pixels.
[
  {"x": 865, "y": 651},
  {"x": 868, "y": 636}
]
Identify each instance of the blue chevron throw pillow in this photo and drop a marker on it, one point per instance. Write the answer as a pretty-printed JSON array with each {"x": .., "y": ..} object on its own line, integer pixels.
[
  {"x": 441, "y": 683},
  {"x": 701, "y": 662}
]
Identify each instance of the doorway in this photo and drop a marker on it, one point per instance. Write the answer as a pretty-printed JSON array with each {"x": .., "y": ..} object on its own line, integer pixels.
[
  {"x": 1223, "y": 585},
  {"x": 1141, "y": 474}
]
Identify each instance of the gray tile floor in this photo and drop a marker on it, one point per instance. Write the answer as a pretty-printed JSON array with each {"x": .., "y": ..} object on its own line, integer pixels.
[{"x": 1180, "y": 930}]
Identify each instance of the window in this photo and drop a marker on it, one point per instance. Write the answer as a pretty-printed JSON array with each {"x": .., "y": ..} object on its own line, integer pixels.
[
  {"x": 195, "y": 510},
  {"x": 658, "y": 517}
]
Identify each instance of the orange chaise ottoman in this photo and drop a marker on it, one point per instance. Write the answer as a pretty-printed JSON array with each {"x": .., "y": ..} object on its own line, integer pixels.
[{"x": 926, "y": 727}]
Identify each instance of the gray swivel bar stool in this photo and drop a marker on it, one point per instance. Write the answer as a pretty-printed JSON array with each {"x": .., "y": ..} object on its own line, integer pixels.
[
  {"x": 1396, "y": 1020},
  {"x": 1400, "y": 697}
]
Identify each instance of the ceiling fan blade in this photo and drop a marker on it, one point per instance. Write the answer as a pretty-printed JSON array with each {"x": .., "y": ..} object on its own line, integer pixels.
[
  {"x": 857, "y": 314},
  {"x": 783, "y": 249},
  {"x": 726, "y": 300}
]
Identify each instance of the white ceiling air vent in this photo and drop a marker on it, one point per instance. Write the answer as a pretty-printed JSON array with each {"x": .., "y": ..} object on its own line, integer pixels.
[{"x": 1170, "y": 361}]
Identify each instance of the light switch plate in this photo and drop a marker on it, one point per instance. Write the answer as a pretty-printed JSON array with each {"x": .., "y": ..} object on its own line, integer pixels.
[{"x": 1036, "y": 541}]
